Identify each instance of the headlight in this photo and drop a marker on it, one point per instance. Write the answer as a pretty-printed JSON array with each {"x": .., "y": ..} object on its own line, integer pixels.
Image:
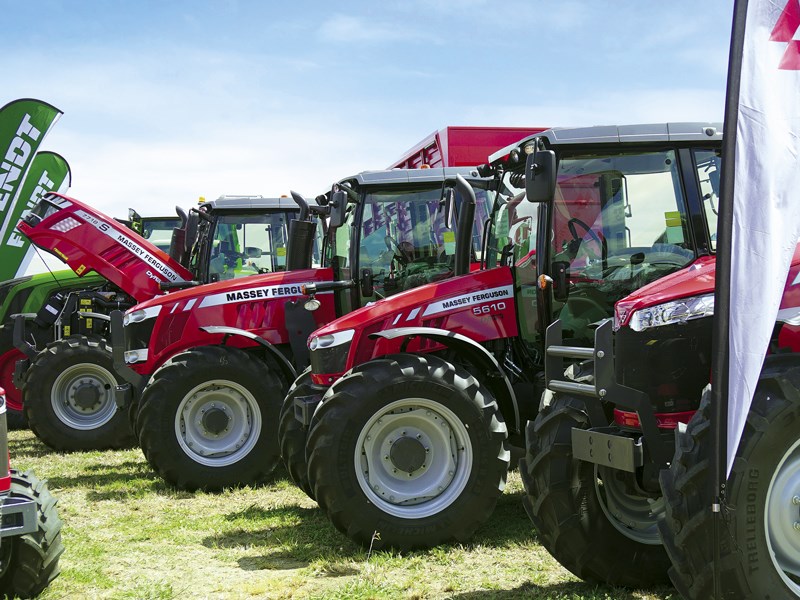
[
  {"x": 331, "y": 339},
  {"x": 670, "y": 313},
  {"x": 140, "y": 314},
  {"x": 135, "y": 356}
]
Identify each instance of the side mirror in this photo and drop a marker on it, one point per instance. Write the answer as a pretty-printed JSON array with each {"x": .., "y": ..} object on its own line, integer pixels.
[
  {"x": 338, "y": 204},
  {"x": 540, "y": 176},
  {"x": 252, "y": 252},
  {"x": 561, "y": 280},
  {"x": 367, "y": 286}
]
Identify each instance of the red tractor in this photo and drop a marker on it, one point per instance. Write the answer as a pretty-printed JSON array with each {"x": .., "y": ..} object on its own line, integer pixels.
[
  {"x": 211, "y": 365},
  {"x": 30, "y": 530},
  {"x": 411, "y": 403},
  {"x": 68, "y": 378}
]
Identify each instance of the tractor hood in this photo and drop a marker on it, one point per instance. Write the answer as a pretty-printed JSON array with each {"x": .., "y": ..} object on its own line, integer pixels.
[
  {"x": 480, "y": 306},
  {"x": 255, "y": 306},
  {"x": 440, "y": 301},
  {"x": 234, "y": 291},
  {"x": 698, "y": 279},
  {"x": 695, "y": 280},
  {"x": 87, "y": 240}
]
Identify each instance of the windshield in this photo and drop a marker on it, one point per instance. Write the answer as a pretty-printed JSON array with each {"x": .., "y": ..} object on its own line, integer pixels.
[
  {"x": 159, "y": 231},
  {"x": 403, "y": 239},
  {"x": 619, "y": 222},
  {"x": 248, "y": 244}
]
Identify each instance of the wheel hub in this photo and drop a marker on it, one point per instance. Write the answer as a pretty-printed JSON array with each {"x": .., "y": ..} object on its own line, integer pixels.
[
  {"x": 86, "y": 396},
  {"x": 218, "y": 423},
  {"x": 407, "y": 454},
  {"x": 215, "y": 421}
]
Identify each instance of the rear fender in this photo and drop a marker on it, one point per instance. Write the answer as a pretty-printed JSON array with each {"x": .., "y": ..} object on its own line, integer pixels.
[
  {"x": 286, "y": 367},
  {"x": 476, "y": 354}
]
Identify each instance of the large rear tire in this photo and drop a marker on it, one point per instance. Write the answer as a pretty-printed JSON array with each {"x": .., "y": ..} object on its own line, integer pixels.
[
  {"x": 209, "y": 419},
  {"x": 408, "y": 452},
  {"x": 28, "y": 563},
  {"x": 292, "y": 434},
  {"x": 69, "y": 397},
  {"x": 588, "y": 517},
  {"x": 760, "y": 546}
]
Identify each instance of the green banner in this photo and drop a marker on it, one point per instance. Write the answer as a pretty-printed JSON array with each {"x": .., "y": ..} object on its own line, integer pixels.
[
  {"x": 23, "y": 125},
  {"x": 49, "y": 172}
]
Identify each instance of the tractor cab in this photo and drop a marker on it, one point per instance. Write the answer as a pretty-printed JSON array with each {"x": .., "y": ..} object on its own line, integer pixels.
[
  {"x": 238, "y": 236},
  {"x": 394, "y": 230}
]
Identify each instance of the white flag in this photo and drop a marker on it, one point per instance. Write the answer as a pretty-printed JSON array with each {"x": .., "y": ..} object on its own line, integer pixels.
[{"x": 766, "y": 203}]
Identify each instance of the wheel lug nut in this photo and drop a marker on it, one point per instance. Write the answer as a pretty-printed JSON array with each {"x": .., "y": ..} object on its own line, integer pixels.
[
  {"x": 797, "y": 526},
  {"x": 795, "y": 500}
]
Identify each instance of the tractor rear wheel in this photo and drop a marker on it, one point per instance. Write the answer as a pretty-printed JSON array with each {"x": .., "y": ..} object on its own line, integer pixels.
[
  {"x": 208, "y": 419},
  {"x": 406, "y": 452},
  {"x": 292, "y": 434},
  {"x": 760, "y": 546},
  {"x": 69, "y": 396},
  {"x": 590, "y": 518},
  {"x": 29, "y": 562}
]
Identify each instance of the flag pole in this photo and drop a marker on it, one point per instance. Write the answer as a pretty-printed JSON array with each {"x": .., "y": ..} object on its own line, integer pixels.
[{"x": 722, "y": 299}]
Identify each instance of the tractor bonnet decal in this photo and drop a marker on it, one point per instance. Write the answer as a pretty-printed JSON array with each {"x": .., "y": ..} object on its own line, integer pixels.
[
  {"x": 498, "y": 293},
  {"x": 257, "y": 293},
  {"x": 137, "y": 250}
]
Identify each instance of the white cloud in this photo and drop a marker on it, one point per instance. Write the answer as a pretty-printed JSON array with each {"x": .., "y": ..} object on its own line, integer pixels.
[{"x": 349, "y": 29}]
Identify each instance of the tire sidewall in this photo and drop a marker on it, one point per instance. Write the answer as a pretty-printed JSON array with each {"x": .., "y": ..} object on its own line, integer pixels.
[
  {"x": 350, "y": 490},
  {"x": 756, "y": 464},
  {"x": 232, "y": 365},
  {"x": 37, "y": 400}
]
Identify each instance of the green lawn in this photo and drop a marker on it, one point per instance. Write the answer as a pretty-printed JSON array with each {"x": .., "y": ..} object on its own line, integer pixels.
[{"x": 127, "y": 535}]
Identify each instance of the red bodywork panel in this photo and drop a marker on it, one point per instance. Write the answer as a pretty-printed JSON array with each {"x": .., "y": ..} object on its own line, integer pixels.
[
  {"x": 461, "y": 146},
  {"x": 5, "y": 476},
  {"x": 698, "y": 279},
  {"x": 254, "y": 303},
  {"x": 480, "y": 306},
  {"x": 87, "y": 240},
  {"x": 695, "y": 280}
]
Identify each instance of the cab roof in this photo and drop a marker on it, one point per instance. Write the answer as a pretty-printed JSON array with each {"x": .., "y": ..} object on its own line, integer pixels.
[
  {"x": 622, "y": 134},
  {"x": 400, "y": 176},
  {"x": 229, "y": 202}
]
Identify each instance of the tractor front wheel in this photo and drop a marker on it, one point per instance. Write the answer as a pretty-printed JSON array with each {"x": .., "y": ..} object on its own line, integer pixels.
[
  {"x": 69, "y": 397},
  {"x": 292, "y": 434},
  {"x": 408, "y": 452},
  {"x": 29, "y": 562},
  {"x": 760, "y": 532},
  {"x": 208, "y": 419},
  {"x": 592, "y": 519}
]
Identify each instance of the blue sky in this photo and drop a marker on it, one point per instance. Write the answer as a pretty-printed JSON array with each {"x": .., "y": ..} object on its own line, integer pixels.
[{"x": 167, "y": 101}]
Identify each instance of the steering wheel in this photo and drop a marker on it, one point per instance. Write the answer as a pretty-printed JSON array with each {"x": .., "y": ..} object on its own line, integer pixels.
[
  {"x": 395, "y": 247},
  {"x": 577, "y": 239}
]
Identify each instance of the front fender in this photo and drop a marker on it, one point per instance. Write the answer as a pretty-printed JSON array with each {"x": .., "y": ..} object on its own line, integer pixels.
[
  {"x": 496, "y": 379},
  {"x": 284, "y": 364}
]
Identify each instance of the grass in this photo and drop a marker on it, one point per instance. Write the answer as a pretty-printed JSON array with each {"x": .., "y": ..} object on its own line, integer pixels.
[{"x": 129, "y": 536}]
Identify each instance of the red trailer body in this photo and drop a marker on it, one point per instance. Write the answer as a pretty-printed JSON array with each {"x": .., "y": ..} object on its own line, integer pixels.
[{"x": 461, "y": 146}]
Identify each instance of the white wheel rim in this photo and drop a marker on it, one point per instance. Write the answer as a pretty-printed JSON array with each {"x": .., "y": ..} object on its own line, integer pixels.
[
  {"x": 430, "y": 442},
  {"x": 204, "y": 440},
  {"x": 782, "y": 518},
  {"x": 82, "y": 396},
  {"x": 634, "y": 516}
]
